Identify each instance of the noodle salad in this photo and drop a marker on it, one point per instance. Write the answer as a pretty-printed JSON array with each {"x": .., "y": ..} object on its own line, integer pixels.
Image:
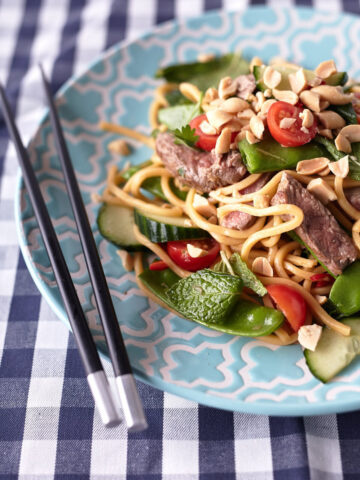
[{"x": 250, "y": 203}]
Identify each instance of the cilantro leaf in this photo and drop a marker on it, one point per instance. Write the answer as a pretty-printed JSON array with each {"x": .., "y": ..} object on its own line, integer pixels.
[
  {"x": 185, "y": 136},
  {"x": 205, "y": 296}
]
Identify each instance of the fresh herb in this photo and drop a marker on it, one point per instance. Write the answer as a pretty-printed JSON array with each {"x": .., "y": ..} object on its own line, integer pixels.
[
  {"x": 239, "y": 268},
  {"x": 180, "y": 115},
  {"x": 246, "y": 318},
  {"x": 354, "y": 162},
  {"x": 155, "y": 132},
  {"x": 181, "y": 172},
  {"x": 207, "y": 74},
  {"x": 330, "y": 147},
  {"x": 175, "y": 97},
  {"x": 176, "y": 117},
  {"x": 206, "y": 296},
  {"x": 354, "y": 158},
  {"x": 185, "y": 136},
  {"x": 135, "y": 168}
]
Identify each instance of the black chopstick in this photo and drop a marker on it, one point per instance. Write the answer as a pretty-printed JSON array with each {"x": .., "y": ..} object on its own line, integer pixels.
[
  {"x": 93, "y": 368},
  {"x": 129, "y": 396}
]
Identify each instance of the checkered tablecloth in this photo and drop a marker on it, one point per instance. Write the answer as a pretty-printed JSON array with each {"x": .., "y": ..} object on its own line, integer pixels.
[{"x": 48, "y": 427}]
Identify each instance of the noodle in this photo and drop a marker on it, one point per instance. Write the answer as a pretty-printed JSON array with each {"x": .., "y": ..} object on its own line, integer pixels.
[{"x": 264, "y": 238}]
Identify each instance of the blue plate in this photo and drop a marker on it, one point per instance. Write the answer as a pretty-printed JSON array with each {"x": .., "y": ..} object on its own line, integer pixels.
[{"x": 168, "y": 352}]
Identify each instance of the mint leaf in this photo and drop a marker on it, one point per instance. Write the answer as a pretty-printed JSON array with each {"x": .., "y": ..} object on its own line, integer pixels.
[
  {"x": 240, "y": 268},
  {"x": 185, "y": 136},
  {"x": 205, "y": 296},
  {"x": 247, "y": 276}
]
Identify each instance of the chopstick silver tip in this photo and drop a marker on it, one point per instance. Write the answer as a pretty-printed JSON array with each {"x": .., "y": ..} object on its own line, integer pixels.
[
  {"x": 131, "y": 404},
  {"x": 103, "y": 398}
]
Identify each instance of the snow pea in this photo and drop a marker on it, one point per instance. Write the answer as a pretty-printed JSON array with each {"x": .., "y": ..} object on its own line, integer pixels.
[
  {"x": 269, "y": 156},
  {"x": 345, "y": 292},
  {"x": 245, "y": 319},
  {"x": 206, "y": 74}
]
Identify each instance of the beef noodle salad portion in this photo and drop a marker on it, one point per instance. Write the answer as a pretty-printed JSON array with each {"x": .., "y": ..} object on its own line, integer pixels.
[{"x": 250, "y": 202}]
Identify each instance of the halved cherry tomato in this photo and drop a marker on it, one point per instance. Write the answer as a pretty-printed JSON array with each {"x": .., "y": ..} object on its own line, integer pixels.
[
  {"x": 356, "y": 105},
  {"x": 206, "y": 142},
  {"x": 178, "y": 252},
  {"x": 158, "y": 265},
  {"x": 290, "y": 302},
  {"x": 292, "y": 136}
]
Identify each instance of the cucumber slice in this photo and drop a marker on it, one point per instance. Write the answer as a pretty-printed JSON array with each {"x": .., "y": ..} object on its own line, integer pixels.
[
  {"x": 116, "y": 225},
  {"x": 339, "y": 78},
  {"x": 166, "y": 229},
  {"x": 334, "y": 352}
]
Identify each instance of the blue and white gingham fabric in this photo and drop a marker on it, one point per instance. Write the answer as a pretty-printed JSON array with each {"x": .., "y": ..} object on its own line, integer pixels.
[{"x": 48, "y": 427}]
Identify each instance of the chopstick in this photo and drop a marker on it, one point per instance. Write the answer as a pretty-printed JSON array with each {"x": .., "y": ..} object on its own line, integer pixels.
[
  {"x": 126, "y": 386},
  {"x": 95, "y": 374}
]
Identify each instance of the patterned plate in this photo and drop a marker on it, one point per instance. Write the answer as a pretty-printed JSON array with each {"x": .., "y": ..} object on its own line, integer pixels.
[{"x": 168, "y": 352}]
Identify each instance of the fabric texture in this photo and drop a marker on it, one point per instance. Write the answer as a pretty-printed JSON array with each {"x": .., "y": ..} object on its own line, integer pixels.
[{"x": 48, "y": 426}]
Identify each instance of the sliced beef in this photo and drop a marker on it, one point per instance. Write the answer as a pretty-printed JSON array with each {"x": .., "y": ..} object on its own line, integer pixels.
[
  {"x": 204, "y": 171},
  {"x": 319, "y": 229},
  {"x": 242, "y": 220},
  {"x": 353, "y": 195},
  {"x": 238, "y": 220},
  {"x": 245, "y": 85},
  {"x": 258, "y": 185}
]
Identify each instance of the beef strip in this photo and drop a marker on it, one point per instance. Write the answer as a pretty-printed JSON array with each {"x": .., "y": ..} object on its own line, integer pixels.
[
  {"x": 241, "y": 220},
  {"x": 319, "y": 230},
  {"x": 245, "y": 85},
  {"x": 353, "y": 195},
  {"x": 204, "y": 171}
]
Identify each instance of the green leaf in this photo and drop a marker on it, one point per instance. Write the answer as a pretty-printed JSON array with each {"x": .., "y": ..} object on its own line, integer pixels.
[
  {"x": 176, "y": 117},
  {"x": 354, "y": 162},
  {"x": 205, "y": 295},
  {"x": 354, "y": 159},
  {"x": 330, "y": 147},
  {"x": 346, "y": 111},
  {"x": 135, "y": 168},
  {"x": 246, "y": 318},
  {"x": 206, "y": 74},
  {"x": 185, "y": 136},
  {"x": 240, "y": 269},
  {"x": 180, "y": 115},
  {"x": 247, "y": 276},
  {"x": 175, "y": 97}
]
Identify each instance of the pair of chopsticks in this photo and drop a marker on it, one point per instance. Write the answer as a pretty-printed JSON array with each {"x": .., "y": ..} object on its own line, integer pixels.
[{"x": 97, "y": 380}]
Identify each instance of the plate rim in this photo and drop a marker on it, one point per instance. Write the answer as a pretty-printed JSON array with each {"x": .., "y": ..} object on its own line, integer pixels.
[{"x": 258, "y": 407}]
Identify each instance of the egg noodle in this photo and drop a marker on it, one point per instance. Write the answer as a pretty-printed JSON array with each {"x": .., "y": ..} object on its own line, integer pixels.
[{"x": 263, "y": 239}]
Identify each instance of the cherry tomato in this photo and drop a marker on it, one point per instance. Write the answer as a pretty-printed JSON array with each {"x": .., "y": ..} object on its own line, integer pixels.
[
  {"x": 290, "y": 302},
  {"x": 179, "y": 254},
  {"x": 356, "y": 105},
  {"x": 292, "y": 136},
  {"x": 322, "y": 279},
  {"x": 205, "y": 142},
  {"x": 158, "y": 265}
]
